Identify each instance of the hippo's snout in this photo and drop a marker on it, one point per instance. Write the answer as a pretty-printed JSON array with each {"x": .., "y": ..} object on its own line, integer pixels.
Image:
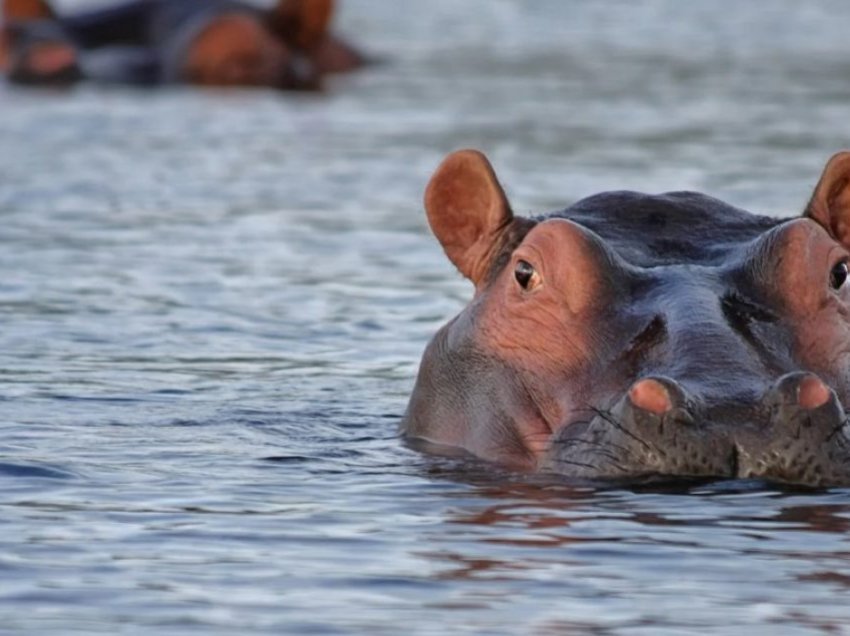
[
  {"x": 806, "y": 438},
  {"x": 797, "y": 432},
  {"x": 654, "y": 429}
]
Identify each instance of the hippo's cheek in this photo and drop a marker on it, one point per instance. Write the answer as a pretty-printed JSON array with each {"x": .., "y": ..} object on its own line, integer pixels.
[
  {"x": 823, "y": 346},
  {"x": 540, "y": 335},
  {"x": 535, "y": 346},
  {"x": 553, "y": 307}
]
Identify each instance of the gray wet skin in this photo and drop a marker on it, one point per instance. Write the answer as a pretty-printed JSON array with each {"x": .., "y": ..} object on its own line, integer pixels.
[{"x": 637, "y": 336}]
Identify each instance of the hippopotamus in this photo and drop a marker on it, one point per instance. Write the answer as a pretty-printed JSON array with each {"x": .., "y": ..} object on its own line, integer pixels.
[
  {"x": 636, "y": 337},
  {"x": 150, "y": 42}
]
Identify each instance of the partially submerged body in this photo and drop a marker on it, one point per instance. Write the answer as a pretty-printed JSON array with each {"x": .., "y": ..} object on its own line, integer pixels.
[
  {"x": 632, "y": 336},
  {"x": 151, "y": 42}
]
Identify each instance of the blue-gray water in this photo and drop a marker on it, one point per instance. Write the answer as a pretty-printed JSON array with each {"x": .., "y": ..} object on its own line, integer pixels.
[{"x": 212, "y": 306}]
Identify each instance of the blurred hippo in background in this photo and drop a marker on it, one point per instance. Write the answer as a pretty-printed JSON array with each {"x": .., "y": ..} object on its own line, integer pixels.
[
  {"x": 150, "y": 42},
  {"x": 636, "y": 337}
]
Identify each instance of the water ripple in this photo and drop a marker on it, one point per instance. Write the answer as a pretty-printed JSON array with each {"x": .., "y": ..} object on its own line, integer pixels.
[{"x": 213, "y": 306}]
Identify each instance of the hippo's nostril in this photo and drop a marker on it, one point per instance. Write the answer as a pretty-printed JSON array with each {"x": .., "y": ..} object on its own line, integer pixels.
[
  {"x": 651, "y": 395},
  {"x": 812, "y": 392},
  {"x": 800, "y": 389}
]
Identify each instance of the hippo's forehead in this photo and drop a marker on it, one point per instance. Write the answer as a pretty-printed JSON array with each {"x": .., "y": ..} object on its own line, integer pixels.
[{"x": 666, "y": 229}]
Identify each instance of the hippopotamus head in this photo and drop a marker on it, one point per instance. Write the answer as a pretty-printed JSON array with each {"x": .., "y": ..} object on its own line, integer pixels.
[{"x": 632, "y": 336}]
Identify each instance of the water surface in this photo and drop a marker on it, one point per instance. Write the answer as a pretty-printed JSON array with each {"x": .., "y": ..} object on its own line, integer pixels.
[{"x": 213, "y": 304}]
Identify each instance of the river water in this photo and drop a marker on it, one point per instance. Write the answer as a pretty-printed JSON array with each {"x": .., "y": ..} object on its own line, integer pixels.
[{"x": 213, "y": 303}]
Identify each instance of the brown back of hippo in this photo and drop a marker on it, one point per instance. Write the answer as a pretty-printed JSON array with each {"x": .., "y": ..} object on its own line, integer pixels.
[{"x": 633, "y": 336}]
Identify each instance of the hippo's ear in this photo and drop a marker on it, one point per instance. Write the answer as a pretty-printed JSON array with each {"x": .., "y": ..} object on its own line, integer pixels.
[
  {"x": 830, "y": 203},
  {"x": 468, "y": 211}
]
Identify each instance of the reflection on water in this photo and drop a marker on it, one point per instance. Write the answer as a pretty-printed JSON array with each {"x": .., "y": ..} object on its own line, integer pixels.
[
  {"x": 213, "y": 305},
  {"x": 664, "y": 561}
]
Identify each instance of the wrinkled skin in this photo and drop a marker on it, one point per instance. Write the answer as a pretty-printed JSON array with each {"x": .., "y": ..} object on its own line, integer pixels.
[{"x": 633, "y": 336}]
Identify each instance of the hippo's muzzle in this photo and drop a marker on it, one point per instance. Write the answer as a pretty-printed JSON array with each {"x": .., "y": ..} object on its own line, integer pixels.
[{"x": 797, "y": 432}]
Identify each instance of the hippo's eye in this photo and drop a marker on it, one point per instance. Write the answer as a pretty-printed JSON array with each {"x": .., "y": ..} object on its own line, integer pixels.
[
  {"x": 838, "y": 275},
  {"x": 526, "y": 275}
]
